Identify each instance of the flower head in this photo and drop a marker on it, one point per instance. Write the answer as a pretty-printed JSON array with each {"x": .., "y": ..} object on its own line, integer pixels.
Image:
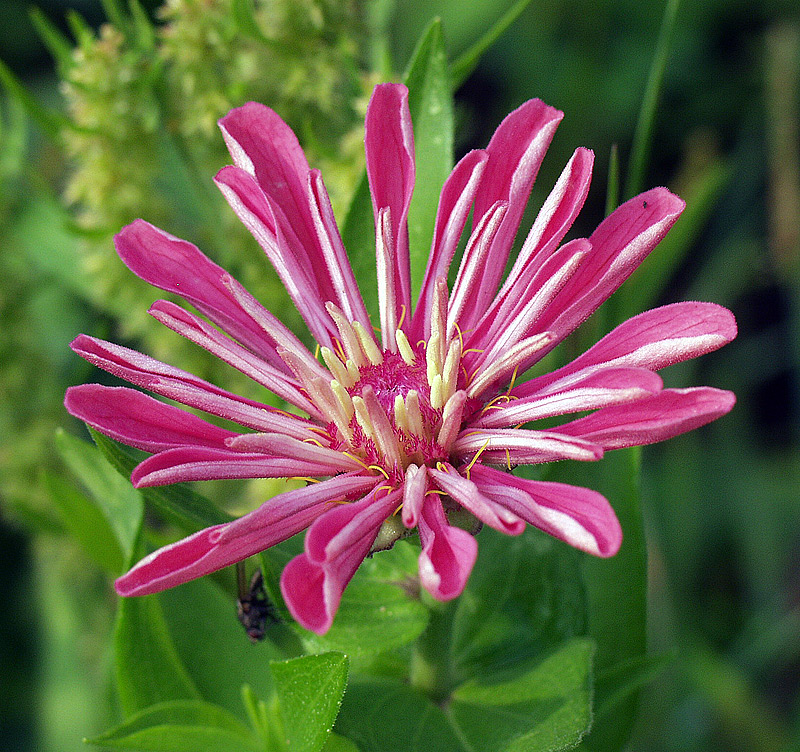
[{"x": 427, "y": 420}]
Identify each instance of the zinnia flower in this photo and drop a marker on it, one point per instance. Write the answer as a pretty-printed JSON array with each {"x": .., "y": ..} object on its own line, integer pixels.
[{"x": 429, "y": 418}]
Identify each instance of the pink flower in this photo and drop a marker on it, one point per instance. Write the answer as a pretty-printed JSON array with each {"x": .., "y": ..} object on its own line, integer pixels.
[{"x": 429, "y": 418}]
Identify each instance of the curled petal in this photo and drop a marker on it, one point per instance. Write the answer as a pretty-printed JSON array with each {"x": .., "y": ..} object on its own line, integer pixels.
[
  {"x": 600, "y": 388},
  {"x": 521, "y": 446},
  {"x": 516, "y": 151},
  {"x": 578, "y": 516},
  {"x": 466, "y": 493},
  {"x": 389, "y": 144},
  {"x": 313, "y": 582},
  {"x": 141, "y": 421},
  {"x": 205, "y": 463},
  {"x": 216, "y": 547},
  {"x": 654, "y": 340},
  {"x": 652, "y": 419},
  {"x": 186, "y": 388},
  {"x": 619, "y": 244},
  {"x": 448, "y": 553},
  {"x": 179, "y": 267}
]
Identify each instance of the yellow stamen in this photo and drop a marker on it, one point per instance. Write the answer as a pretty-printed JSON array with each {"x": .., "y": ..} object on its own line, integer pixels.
[
  {"x": 478, "y": 454},
  {"x": 379, "y": 469},
  {"x": 302, "y": 477},
  {"x": 356, "y": 459},
  {"x": 402, "y": 316},
  {"x": 404, "y": 346},
  {"x": 508, "y": 459},
  {"x": 313, "y": 441},
  {"x": 368, "y": 346}
]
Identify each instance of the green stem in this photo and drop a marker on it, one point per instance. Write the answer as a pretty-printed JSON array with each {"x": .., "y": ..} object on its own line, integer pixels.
[{"x": 431, "y": 665}]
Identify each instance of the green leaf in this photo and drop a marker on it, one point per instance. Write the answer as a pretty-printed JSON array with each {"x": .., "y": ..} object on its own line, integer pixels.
[
  {"x": 544, "y": 709},
  {"x": 430, "y": 102},
  {"x": 119, "y": 502},
  {"x": 148, "y": 668},
  {"x": 463, "y": 66},
  {"x": 87, "y": 524},
  {"x": 50, "y": 121},
  {"x": 524, "y": 598},
  {"x": 376, "y": 613},
  {"x": 358, "y": 236},
  {"x": 338, "y": 743},
  {"x": 309, "y": 691},
  {"x": 180, "y": 726},
  {"x": 643, "y": 135},
  {"x": 619, "y": 682},
  {"x": 612, "y": 188},
  {"x": 142, "y": 27},
  {"x": 178, "y": 503},
  {"x": 379, "y": 715},
  {"x": 616, "y": 588},
  {"x": 57, "y": 44},
  {"x": 212, "y": 645}
]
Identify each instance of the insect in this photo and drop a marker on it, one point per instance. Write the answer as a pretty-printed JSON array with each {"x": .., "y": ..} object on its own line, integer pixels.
[{"x": 253, "y": 607}]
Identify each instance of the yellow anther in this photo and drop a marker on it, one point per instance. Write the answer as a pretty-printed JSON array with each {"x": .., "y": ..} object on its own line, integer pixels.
[
  {"x": 313, "y": 441},
  {"x": 367, "y": 344},
  {"x": 437, "y": 392},
  {"x": 336, "y": 367},
  {"x": 316, "y": 352},
  {"x": 508, "y": 459},
  {"x": 473, "y": 349},
  {"x": 302, "y": 477},
  {"x": 356, "y": 459},
  {"x": 404, "y": 346},
  {"x": 513, "y": 379},
  {"x": 441, "y": 467},
  {"x": 352, "y": 371},
  {"x": 343, "y": 398}
]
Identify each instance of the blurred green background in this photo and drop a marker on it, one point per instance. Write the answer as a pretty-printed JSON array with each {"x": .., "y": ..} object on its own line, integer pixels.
[{"x": 721, "y": 504}]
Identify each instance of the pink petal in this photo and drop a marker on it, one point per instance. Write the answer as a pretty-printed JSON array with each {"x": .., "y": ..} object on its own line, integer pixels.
[
  {"x": 619, "y": 244},
  {"x": 455, "y": 203},
  {"x": 506, "y": 446},
  {"x": 655, "y": 339},
  {"x": 448, "y": 553},
  {"x": 464, "y": 492},
  {"x": 414, "y": 489},
  {"x": 515, "y": 154},
  {"x": 601, "y": 388},
  {"x": 299, "y": 267},
  {"x": 652, "y": 419},
  {"x": 312, "y": 583},
  {"x": 202, "y": 463},
  {"x": 216, "y": 547},
  {"x": 141, "y": 421},
  {"x": 193, "y": 328},
  {"x": 179, "y": 267},
  {"x": 183, "y": 387},
  {"x": 389, "y": 145},
  {"x": 578, "y": 516}
]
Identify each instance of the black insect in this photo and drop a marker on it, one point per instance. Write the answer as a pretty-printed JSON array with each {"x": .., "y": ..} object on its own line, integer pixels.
[
  {"x": 644, "y": 204},
  {"x": 253, "y": 607}
]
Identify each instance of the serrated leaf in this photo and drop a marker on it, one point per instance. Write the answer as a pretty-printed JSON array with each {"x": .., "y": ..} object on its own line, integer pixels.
[
  {"x": 119, "y": 502},
  {"x": 87, "y": 524},
  {"x": 213, "y": 646},
  {"x": 179, "y": 503},
  {"x": 545, "y": 709},
  {"x": 180, "y": 726},
  {"x": 376, "y": 613},
  {"x": 309, "y": 691},
  {"x": 430, "y": 101},
  {"x": 463, "y": 66}
]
